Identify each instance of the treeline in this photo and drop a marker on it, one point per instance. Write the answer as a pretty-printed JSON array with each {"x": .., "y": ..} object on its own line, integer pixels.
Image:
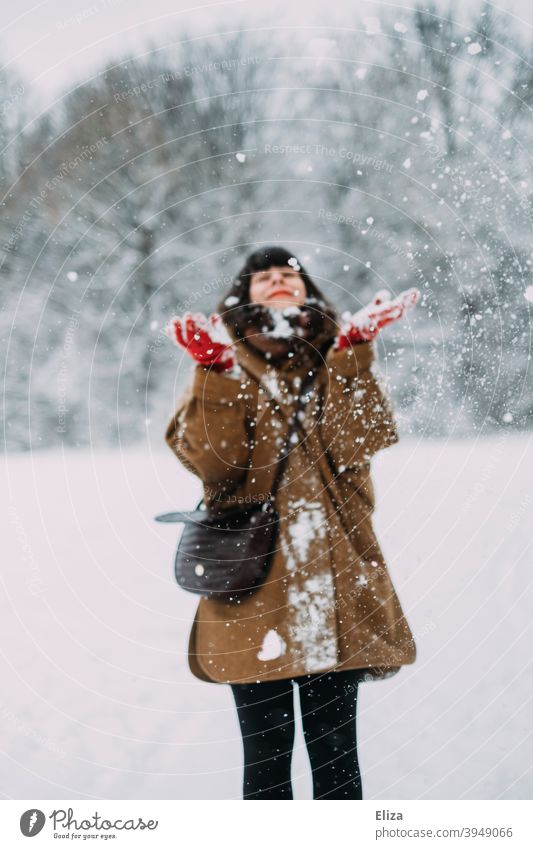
[{"x": 387, "y": 157}]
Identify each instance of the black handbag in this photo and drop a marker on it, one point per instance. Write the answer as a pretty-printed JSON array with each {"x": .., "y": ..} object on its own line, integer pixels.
[{"x": 226, "y": 555}]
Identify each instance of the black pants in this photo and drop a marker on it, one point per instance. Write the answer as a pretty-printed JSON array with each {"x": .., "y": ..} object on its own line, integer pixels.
[{"x": 328, "y": 703}]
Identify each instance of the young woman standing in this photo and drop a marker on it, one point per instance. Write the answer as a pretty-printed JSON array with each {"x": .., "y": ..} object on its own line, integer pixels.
[{"x": 327, "y": 616}]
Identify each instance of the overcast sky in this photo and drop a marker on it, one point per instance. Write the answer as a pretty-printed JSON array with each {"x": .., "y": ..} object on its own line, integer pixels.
[{"x": 56, "y": 43}]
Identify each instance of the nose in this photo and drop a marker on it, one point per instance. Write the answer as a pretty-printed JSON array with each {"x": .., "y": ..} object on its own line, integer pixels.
[{"x": 276, "y": 278}]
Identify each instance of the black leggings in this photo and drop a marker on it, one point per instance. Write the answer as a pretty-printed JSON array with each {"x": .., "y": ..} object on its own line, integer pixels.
[{"x": 328, "y": 704}]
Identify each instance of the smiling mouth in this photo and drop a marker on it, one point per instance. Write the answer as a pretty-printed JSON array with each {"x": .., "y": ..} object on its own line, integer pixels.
[{"x": 281, "y": 292}]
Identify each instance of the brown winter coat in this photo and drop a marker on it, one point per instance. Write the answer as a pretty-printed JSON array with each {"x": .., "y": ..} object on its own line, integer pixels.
[{"x": 328, "y": 602}]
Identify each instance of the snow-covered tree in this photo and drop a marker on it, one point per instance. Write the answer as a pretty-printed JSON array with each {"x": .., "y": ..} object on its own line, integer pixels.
[{"x": 390, "y": 154}]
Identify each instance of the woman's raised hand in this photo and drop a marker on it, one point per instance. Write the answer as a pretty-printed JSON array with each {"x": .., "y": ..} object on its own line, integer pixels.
[
  {"x": 206, "y": 340},
  {"x": 365, "y": 324}
]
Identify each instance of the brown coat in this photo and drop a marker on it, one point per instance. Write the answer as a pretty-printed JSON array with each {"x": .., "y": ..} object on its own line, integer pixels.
[{"x": 328, "y": 602}]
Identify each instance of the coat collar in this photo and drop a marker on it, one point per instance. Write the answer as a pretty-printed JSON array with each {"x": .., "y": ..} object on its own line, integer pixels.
[{"x": 282, "y": 380}]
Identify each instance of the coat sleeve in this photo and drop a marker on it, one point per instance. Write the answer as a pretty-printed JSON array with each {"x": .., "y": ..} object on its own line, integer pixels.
[
  {"x": 208, "y": 431},
  {"x": 357, "y": 418}
]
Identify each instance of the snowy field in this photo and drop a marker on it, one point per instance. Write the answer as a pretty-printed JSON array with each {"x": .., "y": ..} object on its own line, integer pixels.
[{"x": 97, "y": 700}]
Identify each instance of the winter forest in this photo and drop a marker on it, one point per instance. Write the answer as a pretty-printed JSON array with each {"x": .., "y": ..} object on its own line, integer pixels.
[{"x": 387, "y": 154}]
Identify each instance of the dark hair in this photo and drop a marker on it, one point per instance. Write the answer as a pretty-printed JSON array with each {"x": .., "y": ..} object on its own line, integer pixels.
[{"x": 236, "y": 310}]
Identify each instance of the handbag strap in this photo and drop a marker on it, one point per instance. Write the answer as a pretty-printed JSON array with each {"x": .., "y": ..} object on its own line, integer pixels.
[
  {"x": 197, "y": 515},
  {"x": 293, "y": 424}
]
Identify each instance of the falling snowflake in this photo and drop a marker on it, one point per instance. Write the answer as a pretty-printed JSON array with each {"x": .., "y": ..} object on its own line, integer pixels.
[
  {"x": 72, "y": 276},
  {"x": 528, "y": 294},
  {"x": 400, "y": 27},
  {"x": 474, "y": 48},
  {"x": 422, "y": 94},
  {"x": 240, "y": 157}
]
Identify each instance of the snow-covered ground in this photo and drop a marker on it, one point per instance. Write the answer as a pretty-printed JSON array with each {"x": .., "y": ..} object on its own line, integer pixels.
[{"x": 97, "y": 700}]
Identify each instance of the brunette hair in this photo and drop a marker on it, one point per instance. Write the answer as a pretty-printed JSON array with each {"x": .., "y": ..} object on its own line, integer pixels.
[{"x": 238, "y": 313}]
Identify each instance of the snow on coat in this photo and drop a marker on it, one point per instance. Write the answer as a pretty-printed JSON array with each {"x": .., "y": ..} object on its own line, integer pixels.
[{"x": 328, "y": 602}]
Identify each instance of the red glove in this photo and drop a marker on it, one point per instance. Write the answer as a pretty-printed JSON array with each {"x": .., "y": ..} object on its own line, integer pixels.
[
  {"x": 206, "y": 340},
  {"x": 365, "y": 324}
]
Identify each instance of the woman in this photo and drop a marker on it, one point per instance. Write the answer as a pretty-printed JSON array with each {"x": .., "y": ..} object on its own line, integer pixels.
[{"x": 327, "y": 616}]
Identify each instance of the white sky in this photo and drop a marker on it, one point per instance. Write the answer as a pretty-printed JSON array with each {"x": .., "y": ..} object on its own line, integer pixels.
[{"x": 56, "y": 43}]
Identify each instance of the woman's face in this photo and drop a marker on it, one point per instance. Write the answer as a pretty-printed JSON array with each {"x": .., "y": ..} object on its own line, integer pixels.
[{"x": 277, "y": 287}]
